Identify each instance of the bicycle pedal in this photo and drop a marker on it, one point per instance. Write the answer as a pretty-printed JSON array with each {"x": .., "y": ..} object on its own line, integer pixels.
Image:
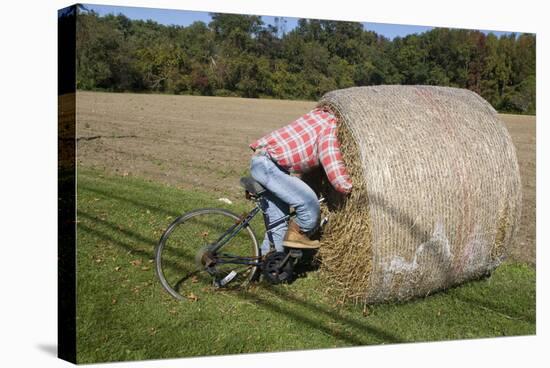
[{"x": 226, "y": 280}]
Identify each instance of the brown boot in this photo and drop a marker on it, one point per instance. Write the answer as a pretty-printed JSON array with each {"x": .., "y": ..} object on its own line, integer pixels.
[{"x": 295, "y": 238}]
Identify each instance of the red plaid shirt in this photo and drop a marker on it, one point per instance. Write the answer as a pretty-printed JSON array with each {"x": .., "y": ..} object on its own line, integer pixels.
[{"x": 306, "y": 142}]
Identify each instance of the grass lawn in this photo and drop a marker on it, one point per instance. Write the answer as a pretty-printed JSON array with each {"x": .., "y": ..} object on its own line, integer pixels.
[{"x": 124, "y": 314}]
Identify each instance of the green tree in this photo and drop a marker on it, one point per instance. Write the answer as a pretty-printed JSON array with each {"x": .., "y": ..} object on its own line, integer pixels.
[{"x": 239, "y": 55}]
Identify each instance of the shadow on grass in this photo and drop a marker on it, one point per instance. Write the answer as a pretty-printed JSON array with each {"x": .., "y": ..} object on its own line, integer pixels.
[
  {"x": 285, "y": 310},
  {"x": 384, "y": 335},
  {"x": 303, "y": 318},
  {"x": 498, "y": 309},
  {"x": 131, "y": 234},
  {"x": 132, "y": 201},
  {"x": 128, "y": 247},
  {"x": 315, "y": 309},
  {"x": 308, "y": 263}
]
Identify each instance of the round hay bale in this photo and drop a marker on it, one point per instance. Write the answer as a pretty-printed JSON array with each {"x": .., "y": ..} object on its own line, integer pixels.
[{"x": 436, "y": 198}]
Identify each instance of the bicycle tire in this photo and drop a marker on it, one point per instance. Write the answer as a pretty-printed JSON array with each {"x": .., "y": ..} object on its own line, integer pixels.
[{"x": 163, "y": 263}]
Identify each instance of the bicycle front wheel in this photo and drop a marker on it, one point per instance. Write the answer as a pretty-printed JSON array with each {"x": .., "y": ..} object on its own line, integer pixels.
[{"x": 179, "y": 254}]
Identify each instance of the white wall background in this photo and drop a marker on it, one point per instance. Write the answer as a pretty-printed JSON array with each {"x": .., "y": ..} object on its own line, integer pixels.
[{"x": 28, "y": 205}]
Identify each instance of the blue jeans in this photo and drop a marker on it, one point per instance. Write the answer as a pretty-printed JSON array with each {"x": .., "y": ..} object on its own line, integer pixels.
[{"x": 284, "y": 191}]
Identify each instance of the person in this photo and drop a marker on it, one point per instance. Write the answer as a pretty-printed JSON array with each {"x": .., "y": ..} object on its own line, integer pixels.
[{"x": 306, "y": 143}]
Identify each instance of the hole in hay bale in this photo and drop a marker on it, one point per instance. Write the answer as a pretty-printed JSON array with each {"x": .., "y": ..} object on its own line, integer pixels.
[{"x": 345, "y": 254}]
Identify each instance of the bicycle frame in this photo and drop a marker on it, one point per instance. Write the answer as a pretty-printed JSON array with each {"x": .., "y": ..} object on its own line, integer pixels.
[
  {"x": 237, "y": 227},
  {"x": 261, "y": 202}
]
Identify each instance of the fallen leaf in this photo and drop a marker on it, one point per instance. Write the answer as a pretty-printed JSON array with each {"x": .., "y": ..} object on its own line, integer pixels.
[
  {"x": 117, "y": 268},
  {"x": 145, "y": 268},
  {"x": 113, "y": 301},
  {"x": 194, "y": 279},
  {"x": 192, "y": 297},
  {"x": 136, "y": 262}
]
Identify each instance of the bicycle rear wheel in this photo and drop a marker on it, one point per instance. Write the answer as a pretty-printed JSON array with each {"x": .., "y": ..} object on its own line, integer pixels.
[{"x": 179, "y": 253}]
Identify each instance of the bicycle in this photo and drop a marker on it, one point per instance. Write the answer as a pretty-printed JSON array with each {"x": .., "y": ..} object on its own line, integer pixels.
[{"x": 218, "y": 245}]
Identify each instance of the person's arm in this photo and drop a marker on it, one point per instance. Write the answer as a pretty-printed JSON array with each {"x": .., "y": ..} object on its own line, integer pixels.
[{"x": 331, "y": 159}]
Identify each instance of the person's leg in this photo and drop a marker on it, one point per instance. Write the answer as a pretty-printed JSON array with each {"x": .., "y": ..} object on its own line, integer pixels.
[
  {"x": 274, "y": 207},
  {"x": 291, "y": 190}
]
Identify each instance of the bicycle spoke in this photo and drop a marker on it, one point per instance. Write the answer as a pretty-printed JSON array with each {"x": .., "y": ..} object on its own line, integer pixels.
[
  {"x": 178, "y": 284},
  {"x": 180, "y": 255}
]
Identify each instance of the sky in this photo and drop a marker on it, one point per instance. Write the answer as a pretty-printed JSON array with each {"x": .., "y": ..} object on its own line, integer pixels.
[{"x": 185, "y": 18}]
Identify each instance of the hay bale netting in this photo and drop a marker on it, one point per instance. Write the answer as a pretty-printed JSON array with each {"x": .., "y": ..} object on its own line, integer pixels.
[{"x": 437, "y": 194}]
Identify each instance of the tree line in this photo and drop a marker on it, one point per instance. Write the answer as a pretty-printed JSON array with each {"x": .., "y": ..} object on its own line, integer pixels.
[{"x": 240, "y": 55}]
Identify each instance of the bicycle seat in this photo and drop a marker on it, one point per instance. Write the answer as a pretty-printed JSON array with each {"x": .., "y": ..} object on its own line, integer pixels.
[{"x": 252, "y": 186}]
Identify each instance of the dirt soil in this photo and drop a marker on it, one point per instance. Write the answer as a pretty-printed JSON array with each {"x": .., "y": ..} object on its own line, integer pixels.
[
  {"x": 201, "y": 143},
  {"x": 523, "y": 131}
]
